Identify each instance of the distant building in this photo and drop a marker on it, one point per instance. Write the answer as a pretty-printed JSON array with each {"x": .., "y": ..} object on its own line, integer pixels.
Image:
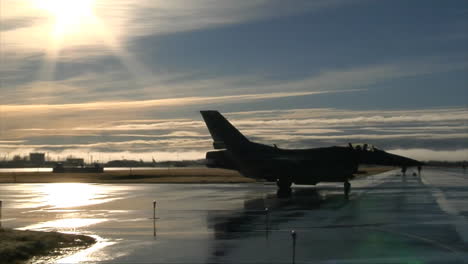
[
  {"x": 37, "y": 158},
  {"x": 78, "y": 162}
]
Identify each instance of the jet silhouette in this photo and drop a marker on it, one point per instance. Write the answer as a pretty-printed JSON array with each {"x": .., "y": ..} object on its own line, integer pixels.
[{"x": 287, "y": 166}]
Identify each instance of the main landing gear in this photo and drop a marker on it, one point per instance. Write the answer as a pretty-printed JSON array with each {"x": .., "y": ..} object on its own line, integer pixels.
[
  {"x": 347, "y": 188},
  {"x": 284, "y": 187}
]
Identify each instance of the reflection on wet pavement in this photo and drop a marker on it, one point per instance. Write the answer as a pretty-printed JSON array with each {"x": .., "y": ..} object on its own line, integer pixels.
[
  {"x": 91, "y": 254},
  {"x": 63, "y": 224},
  {"x": 389, "y": 218}
]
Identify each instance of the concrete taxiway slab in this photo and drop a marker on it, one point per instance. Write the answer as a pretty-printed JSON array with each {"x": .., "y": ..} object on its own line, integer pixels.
[{"x": 389, "y": 219}]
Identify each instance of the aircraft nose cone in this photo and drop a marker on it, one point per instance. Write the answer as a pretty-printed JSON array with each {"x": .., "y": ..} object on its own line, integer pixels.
[{"x": 380, "y": 157}]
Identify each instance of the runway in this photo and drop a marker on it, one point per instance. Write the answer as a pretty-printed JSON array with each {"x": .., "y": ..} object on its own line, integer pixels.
[{"x": 389, "y": 219}]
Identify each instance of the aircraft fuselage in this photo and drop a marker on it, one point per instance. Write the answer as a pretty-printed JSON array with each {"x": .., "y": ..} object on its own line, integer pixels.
[{"x": 302, "y": 166}]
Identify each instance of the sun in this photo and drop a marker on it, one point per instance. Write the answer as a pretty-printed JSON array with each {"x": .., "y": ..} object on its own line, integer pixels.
[
  {"x": 70, "y": 16},
  {"x": 73, "y": 26}
]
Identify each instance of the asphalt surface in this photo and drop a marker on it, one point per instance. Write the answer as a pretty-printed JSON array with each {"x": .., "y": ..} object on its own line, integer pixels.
[{"x": 389, "y": 219}]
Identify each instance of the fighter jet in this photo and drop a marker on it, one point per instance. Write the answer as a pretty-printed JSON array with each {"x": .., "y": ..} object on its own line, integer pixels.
[{"x": 287, "y": 166}]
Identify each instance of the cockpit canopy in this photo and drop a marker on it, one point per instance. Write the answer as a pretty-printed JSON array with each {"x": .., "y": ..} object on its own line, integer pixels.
[{"x": 363, "y": 147}]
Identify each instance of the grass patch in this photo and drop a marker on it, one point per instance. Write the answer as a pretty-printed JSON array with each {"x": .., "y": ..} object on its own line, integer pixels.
[
  {"x": 17, "y": 246},
  {"x": 169, "y": 175}
]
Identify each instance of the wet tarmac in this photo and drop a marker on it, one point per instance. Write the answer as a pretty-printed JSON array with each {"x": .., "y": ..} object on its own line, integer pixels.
[{"x": 389, "y": 219}]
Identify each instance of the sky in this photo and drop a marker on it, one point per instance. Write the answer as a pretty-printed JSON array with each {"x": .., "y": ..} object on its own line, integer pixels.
[{"x": 127, "y": 78}]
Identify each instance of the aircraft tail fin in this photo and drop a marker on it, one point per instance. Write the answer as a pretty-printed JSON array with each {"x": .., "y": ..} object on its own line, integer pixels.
[{"x": 224, "y": 134}]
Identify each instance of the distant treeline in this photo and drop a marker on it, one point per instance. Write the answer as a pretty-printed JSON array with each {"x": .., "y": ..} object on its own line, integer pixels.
[
  {"x": 141, "y": 163},
  {"x": 24, "y": 163},
  {"x": 114, "y": 163}
]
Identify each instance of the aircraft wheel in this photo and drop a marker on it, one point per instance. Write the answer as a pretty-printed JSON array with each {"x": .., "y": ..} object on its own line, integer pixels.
[
  {"x": 284, "y": 193},
  {"x": 284, "y": 183},
  {"x": 347, "y": 188}
]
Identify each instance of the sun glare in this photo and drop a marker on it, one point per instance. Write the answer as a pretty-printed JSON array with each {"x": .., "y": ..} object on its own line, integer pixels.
[
  {"x": 71, "y": 16},
  {"x": 73, "y": 26},
  {"x": 66, "y": 195}
]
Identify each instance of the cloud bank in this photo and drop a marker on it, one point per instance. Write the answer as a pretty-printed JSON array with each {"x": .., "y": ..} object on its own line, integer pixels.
[{"x": 424, "y": 134}]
